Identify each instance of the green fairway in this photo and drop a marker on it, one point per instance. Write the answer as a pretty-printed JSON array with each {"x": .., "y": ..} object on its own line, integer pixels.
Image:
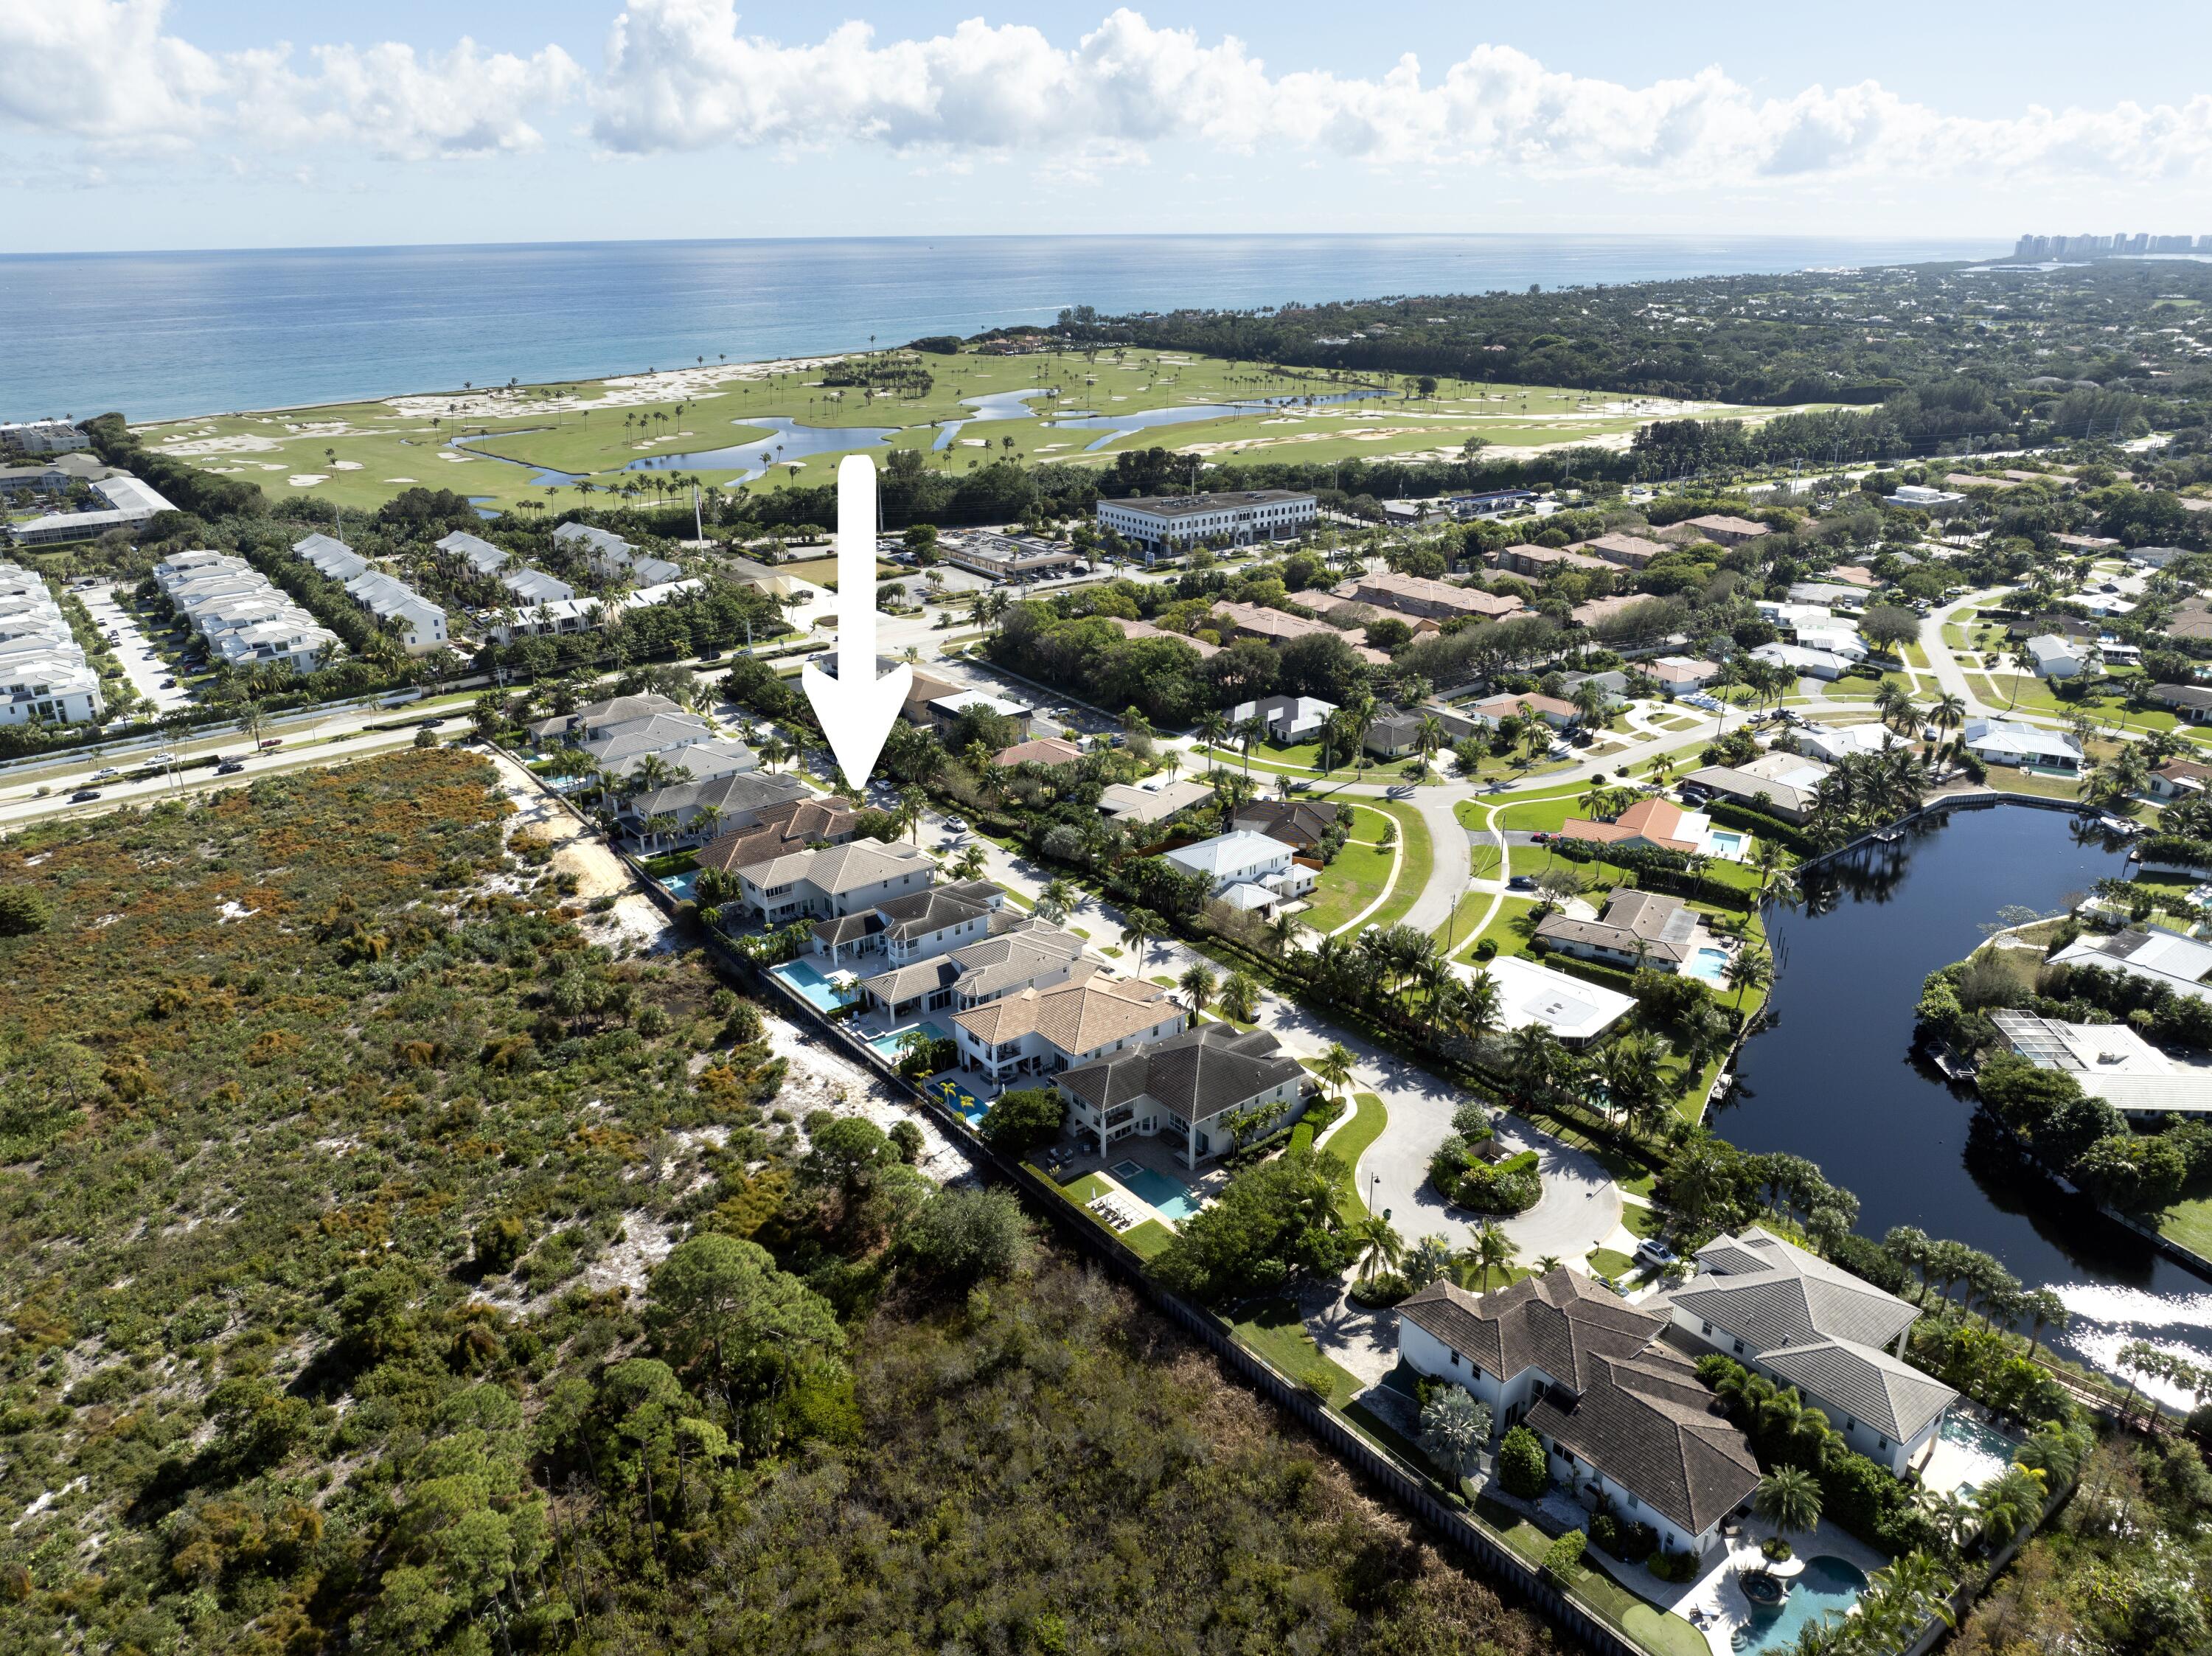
[{"x": 357, "y": 455}]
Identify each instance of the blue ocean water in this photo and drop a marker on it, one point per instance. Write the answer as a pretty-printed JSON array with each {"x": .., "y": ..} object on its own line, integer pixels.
[{"x": 163, "y": 335}]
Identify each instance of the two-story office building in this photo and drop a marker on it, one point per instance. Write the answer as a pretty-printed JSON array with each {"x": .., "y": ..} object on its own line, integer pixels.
[{"x": 1161, "y": 525}]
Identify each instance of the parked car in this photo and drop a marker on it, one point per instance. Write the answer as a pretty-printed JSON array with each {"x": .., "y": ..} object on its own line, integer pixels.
[
  {"x": 83, "y": 794},
  {"x": 1653, "y": 1252},
  {"x": 1522, "y": 882},
  {"x": 168, "y": 683}
]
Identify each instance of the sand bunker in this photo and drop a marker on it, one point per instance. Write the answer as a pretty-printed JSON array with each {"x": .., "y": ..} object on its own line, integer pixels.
[{"x": 307, "y": 479}]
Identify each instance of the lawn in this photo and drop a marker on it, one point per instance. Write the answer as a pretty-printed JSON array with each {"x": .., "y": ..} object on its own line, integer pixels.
[
  {"x": 1416, "y": 853},
  {"x": 1606, "y": 1262},
  {"x": 2189, "y": 1222},
  {"x": 1349, "y": 885},
  {"x": 1148, "y": 1239},
  {"x": 1508, "y": 928},
  {"x": 1274, "y": 1329},
  {"x": 1656, "y": 1631},
  {"x": 1541, "y": 815},
  {"x": 1457, "y": 933},
  {"x": 1350, "y": 1142},
  {"x": 2005, "y": 780}
]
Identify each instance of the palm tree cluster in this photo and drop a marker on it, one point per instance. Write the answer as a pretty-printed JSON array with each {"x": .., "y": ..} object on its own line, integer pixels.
[{"x": 1863, "y": 791}]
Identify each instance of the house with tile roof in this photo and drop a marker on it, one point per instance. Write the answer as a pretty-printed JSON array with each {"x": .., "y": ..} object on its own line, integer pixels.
[
  {"x": 917, "y": 926},
  {"x": 1638, "y": 930},
  {"x": 1020, "y": 952},
  {"x": 1190, "y": 1090},
  {"x": 1157, "y": 799},
  {"x": 1417, "y": 597},
  {"x": 1048, "y": 751},
  {"x": 1629, "y": 551},
  {"x": 1146, "y": 629},
  {"x": 835, "y": 880},
  {"x": 1298, "y": 823},
  {"x": 1621, "y": 1414},
  {"x": 1723, "y": 529},
  {"x": 1806, "y": 1323},
  {"x": 1491, "y": 709},
  {"x": 1045, "y": 1031},
  {"x": 778, "y": 825},
  {"x": 1659, "y": 823},
  {"x": 713, "y": 809}
]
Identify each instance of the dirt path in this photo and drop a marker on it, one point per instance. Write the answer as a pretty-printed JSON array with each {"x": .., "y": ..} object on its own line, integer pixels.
[{"x": 633, "y": 924}]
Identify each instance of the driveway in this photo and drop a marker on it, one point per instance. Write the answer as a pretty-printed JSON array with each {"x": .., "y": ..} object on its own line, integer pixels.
[{"x": 142, "y": 665}]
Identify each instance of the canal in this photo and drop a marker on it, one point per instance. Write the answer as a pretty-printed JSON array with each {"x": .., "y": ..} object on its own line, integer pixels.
[{"x": 1835, "y": 1078}]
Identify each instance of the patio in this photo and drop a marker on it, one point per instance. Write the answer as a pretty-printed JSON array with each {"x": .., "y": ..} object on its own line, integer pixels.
[
  {"x": 1715, "y": 1603},
  {"x": 1158, "y": 1184}
]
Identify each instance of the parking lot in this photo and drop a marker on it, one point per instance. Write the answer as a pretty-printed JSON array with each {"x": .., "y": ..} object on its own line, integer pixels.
[{"x": 142, "y": 665}]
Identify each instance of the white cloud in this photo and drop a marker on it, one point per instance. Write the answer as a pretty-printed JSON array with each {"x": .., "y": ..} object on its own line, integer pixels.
[
  {"x": 104, "y": 73},
  {"x": 682, "y": 75}
]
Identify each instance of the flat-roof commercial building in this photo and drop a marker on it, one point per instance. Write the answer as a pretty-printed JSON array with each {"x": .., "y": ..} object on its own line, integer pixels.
[
  {"x": 1004, "y": 558},
  {"x": 41, "y": 437},
  {"x": 1162, "y": 526},
  {"x": 129, "y": 503},
  {"x": 44, "y": 675}
]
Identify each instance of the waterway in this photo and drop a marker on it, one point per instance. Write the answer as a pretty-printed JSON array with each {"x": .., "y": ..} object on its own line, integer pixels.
[
  {"x": 788, "y": 439},
  {"x": 1835, "y": 1079}
]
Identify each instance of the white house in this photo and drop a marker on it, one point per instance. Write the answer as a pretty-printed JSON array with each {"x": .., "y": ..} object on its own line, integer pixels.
[
  {"x": 1835, "y": 743},
  {"x": 1162, "y": 524},
  {"x": 1046, "y": 1029},
  {"x": 845, "y": 879},
  {"x": 420, "y": 624},
  {"x": 919, "y": 926},
  {"x": 1575, "y": 1012},
  {"x": 2050, "y": 656},
  {"x": 1246, "y": 871},
  {"x": 2182, "y": 964},
  {"x": 2006, "y": 742},
  {"x": 1836, "y": 1338},
  {"x": 1806, "y": 664},
  {"x": 44, "y": 675},
  {"x": 1832, "y": 637},
  {"x": 1622, "y": 1414},
  {"x": 1020, "y": 952},
  {"x": 2111, "y": 1061},
  {"x": 1288, "y": 717},
  {"x": 1186, "y": 1088}
]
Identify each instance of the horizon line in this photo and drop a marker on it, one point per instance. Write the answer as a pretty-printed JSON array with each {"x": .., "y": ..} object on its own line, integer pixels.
[{"x": 1026, "y": 236}]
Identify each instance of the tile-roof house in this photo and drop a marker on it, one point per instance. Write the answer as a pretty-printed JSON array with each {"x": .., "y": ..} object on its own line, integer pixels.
[
  {"x": 1184, "y": 1088},
  {"x": 735, "y": 800},
  {"x": 596, "y": 718},
  {"x": 1436, "y": 600},
  {"x": 1619, "y": 1410},
  {"x": 836, "y": 880},
  {"x": 919, "y": 926},
  {"x": 1019, "y": 952},
  {"x": 1043, "y": 1031},
  {"x": 479, "y": 553},
  {"x": 777, "y": 828},
  {"x": 1631, "y": 550},
  {"x": 1815, "y": 1325},
  {"x": 1050, "y": 750},
  {"x": 1298, "y": 823},
  {"x": 1655, "y": 822},
  {"x": 1641, "y": 929},
  {"x": 1553, "y": 712}
]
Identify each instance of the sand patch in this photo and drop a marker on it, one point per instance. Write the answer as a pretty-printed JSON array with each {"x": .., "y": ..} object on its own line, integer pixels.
[
  {"x": 307, "y": 479},
  {"x": 245, "y": 443},
  {"x": 345, "y": 465},
  {"x": 398, "y": 479}
]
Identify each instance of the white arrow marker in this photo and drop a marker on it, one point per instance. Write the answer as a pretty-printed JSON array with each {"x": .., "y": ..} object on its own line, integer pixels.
[{"x": 856, "y": 709}]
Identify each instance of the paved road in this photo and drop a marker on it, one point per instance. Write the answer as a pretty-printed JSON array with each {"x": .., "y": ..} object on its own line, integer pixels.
[{"x": 141, "y": 663}]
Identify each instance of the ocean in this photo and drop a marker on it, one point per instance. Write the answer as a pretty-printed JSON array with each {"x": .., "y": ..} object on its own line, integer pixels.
[{"x": 159, "y": 335}]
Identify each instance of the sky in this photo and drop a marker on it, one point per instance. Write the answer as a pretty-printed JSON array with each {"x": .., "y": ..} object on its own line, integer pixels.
[{"x": 173, "y": 123}]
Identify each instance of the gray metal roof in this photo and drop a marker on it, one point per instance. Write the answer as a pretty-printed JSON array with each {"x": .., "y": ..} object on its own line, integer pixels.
[{"x": 1866, "y": 1384}]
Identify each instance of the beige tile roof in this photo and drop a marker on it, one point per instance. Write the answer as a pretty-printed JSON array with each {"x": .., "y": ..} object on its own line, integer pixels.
[{"x": 1076, "y": 1017}]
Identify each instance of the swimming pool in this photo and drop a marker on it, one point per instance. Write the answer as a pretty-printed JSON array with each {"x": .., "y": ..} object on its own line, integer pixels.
[
  {"x": 1987, "y": 1450},
  {"x": 1708, "y": 965},
  {"x": 1828, "y": 1584},
  {"x": 680, "y": 885},
  {"x": 887, "y": 1045},
  {"x": 806, "y": 980},
  {"x": 1173, "y": 1198},
  {"x": 956, "y": 1097},
  {"x": 1724, "y": 842}
]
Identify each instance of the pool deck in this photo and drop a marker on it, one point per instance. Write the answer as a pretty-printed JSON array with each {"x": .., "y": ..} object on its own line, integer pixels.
[
  {"x": 1203, "y": 1183},
  {"x": 1717, "y": 1592},
  {"x": 1947, "y": 1465}
]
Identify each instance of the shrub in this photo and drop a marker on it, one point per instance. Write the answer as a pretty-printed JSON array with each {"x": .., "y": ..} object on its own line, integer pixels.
[
  {"x": 1384, "y": 1288},
  {"x": 963, "y": 1237},
  {"x": 1022, "y": 1120},
  {"x": 906, "y": 1138},
  {"x": 1522, "y": 1466},
  {"x": 1605, "y": 1531},
  {"x": 22, "y": 912},
  {"x": 1563, "y": 1559},
  {"x": 1674, "y": 1566}
]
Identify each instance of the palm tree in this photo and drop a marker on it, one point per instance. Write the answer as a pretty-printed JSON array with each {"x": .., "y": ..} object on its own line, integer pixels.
[
  {"x": 1198, "y": 985},
  {"x": 1490, "y": 1250},
  {"x": 1378, "y": 1246},
  {"x": 1282, "y": 934},
  {"x": 1749, "y": 968},
  {"x": 1139, "y": 927},
  {"x": 2010, "y": 1502},
  {"x": 1789, "y": 1499},
  {"x": 773, "y": 751},
  {"x": 1334, "y": 1067},
  {"x": 969, "y": 865},
  {"x": 1214, "y": 728}
]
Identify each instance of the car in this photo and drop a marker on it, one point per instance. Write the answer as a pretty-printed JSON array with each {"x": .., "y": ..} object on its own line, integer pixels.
[
  {"x": 230, "y": 768},
  {"x": 268, "y": 742},
  {"x": 168, "y": 683},
  {"x": 1522, "y": 882},
  {"x": 1654, "y": 1251},
  {"x": 104, "y": 773},
  {"x": 83, "y": 794},
  {"x": 710, "y": 654},
  {"x": 1540, "y": 838},
  {"x": 955, "y": 825}
]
